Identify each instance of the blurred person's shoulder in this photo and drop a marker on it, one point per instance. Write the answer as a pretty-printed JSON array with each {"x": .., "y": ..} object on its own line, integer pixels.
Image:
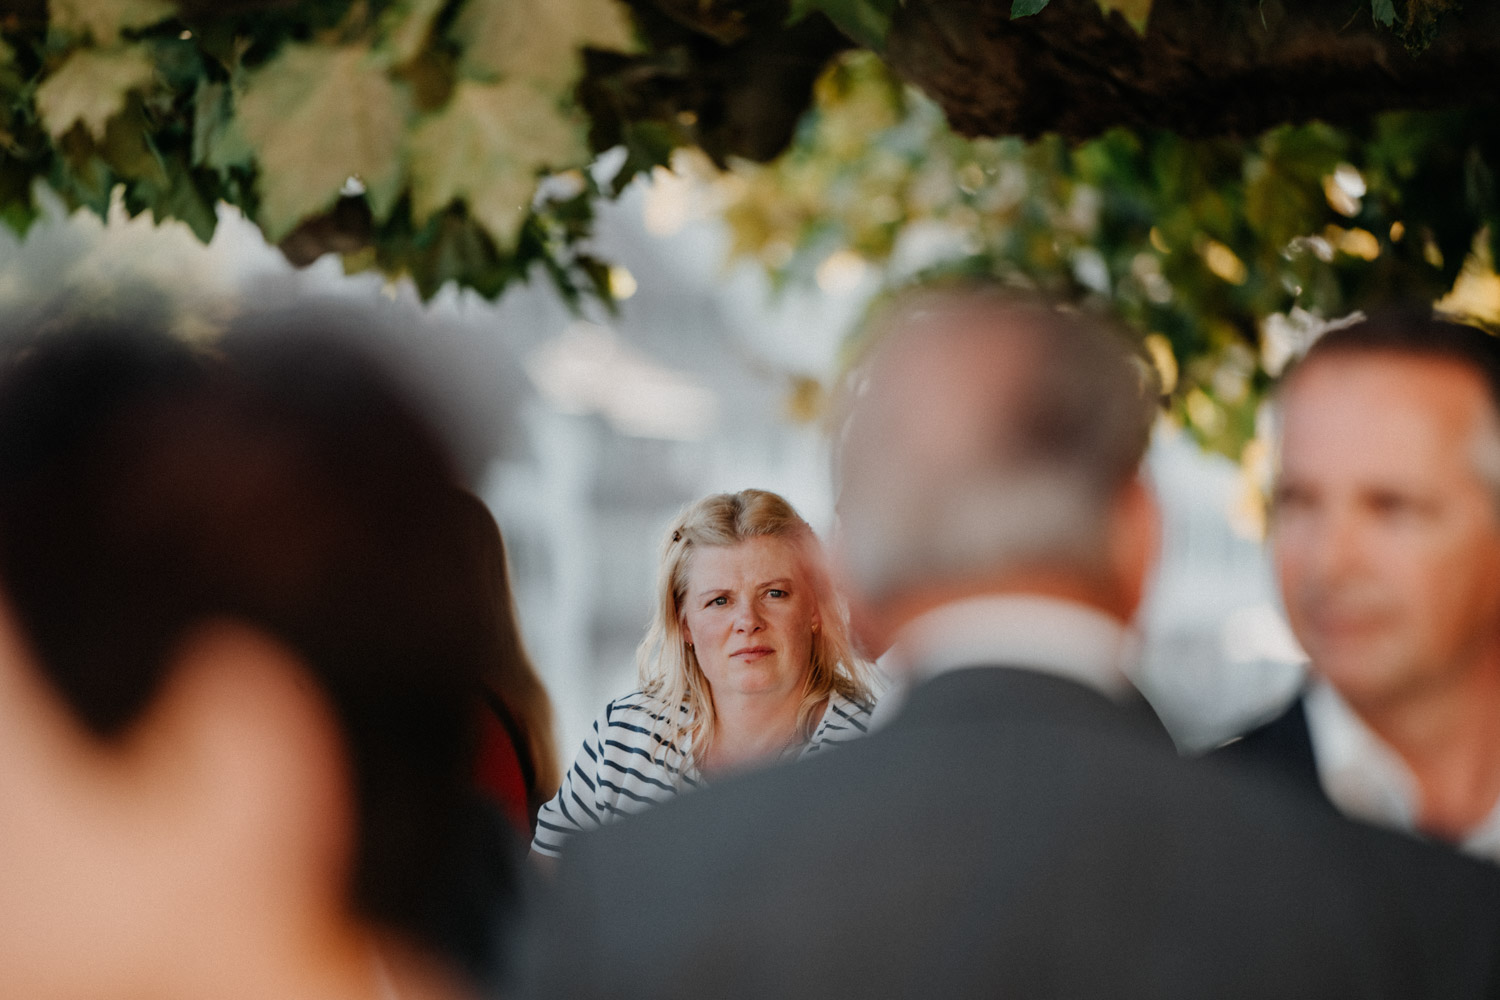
[
  {"x": 1278, "y": 745},
  {"x": 940, "y": 829}
]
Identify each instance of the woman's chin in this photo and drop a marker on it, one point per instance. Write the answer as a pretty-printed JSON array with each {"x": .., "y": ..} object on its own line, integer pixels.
[{"x": 754, "y": 680}]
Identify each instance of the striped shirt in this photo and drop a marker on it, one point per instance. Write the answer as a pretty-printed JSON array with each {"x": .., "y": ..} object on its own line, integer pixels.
[{"x": 627, "y": 764}]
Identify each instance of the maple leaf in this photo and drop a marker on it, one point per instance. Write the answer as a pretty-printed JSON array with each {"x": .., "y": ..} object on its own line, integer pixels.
[
  {"x": 91, "y": 87},
  {"x": 316, "y": 116},
  {"x": 105, "y": 19},
  {"x": 485, "y": 148},
  {"x": 539, "y": 40},
  {"x": 407, "y": 26},
  {"x": 1137, "y": 12},
  {"x": 218, "y": 140}
]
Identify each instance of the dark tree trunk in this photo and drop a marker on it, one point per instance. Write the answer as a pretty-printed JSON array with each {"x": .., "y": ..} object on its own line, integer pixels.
[{"x": 1204, "y": 67}]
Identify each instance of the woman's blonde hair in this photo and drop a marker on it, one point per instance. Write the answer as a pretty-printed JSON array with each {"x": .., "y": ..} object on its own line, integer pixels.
[{"x": 669, "y": 666}]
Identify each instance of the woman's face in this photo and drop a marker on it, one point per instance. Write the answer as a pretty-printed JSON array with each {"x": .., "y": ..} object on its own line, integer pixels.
[{"x": 750, "y": 613}]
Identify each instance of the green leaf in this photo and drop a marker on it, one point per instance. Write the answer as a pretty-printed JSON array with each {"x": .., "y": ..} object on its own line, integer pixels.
[
  {"x": 539, "y": 40},
  {"x": 1384, "y": 12},
  {"x": 455, "y": 249},
  {"x": 1137, "y": 12},
  {"x": 865, "y": 21},
  {"x": 17, "y": 206},
  {"x": 1281, "y": 207},
  {"x": 127, "y": 146},
  {"x": 406, "y": 28},
  {"x": 180, "y": 197},
  {"x": 83, "y": 179},
  {"x": 105, "y": 19},
  {"x": 91, "y": 87},
  {"x": 218, "y": 140},
  {"x": 317, "y": 116},
  {"x": 1025, "y": 8},
  {"x": 647, "y": 144},
  {"x": 485, "y": 148}
]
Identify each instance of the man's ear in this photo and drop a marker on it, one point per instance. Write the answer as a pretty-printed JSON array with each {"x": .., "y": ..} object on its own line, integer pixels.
[
  {"x": 1135, "y": 543},
  {"x": 868, "y": 629},
  {"x": 242, "y": 743}
]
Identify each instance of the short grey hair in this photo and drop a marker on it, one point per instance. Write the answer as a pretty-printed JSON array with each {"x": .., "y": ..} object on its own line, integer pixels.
[{"x": 1018, "y": 466}]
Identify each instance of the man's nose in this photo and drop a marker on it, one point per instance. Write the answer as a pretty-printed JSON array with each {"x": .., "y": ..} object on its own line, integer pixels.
[{"x": 1335, "y": 547}]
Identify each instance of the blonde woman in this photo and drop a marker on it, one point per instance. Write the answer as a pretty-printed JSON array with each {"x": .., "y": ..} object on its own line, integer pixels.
[{"x": 747, "y": 662}]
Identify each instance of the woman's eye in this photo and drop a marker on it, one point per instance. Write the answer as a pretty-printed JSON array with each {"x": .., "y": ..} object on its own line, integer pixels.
[
  {"x": 775, "y": 593},
  {"x": 719, "y": 602}
]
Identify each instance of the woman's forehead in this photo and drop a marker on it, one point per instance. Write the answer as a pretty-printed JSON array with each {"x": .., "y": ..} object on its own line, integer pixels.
[{"x": 754, "y": 560}]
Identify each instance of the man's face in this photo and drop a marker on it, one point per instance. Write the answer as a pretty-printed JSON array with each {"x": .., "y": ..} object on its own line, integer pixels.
[{"x": 1385, "y": 537}]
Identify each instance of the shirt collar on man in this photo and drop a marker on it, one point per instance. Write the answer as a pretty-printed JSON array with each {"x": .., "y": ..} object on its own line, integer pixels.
[
  {"x": 1363, "y": 776},
  {"x": 1057, "y": 637}
]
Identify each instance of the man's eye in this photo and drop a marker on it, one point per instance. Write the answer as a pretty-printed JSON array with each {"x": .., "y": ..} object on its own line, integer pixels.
[
  {"x": 1283, "y": 500},
  {"x": 1397, "y": 505}
]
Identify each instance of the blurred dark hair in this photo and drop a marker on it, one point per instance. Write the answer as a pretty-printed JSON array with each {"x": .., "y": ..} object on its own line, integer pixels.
[
  {"x": 1413, "y": 331},
  {"x": 282, "y": 481},
  {"x": 509, "y": 674}
]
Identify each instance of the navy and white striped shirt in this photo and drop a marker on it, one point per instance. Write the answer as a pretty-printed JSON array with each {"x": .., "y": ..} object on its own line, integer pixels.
[{"x": 627, "y": 764}]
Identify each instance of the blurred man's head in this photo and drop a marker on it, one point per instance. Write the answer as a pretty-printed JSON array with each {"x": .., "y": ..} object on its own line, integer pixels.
[
  {"x": 236, "y": 673},
  {"x": 1386, "y": 510},
  {"x": 993, "y": 444}
]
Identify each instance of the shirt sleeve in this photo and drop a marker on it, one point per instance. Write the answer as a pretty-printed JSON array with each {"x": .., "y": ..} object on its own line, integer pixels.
[{"x": 576, "y": 807}]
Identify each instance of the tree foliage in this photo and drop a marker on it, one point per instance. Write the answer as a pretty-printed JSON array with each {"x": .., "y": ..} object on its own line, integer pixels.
[
  {"x": 410, "y": 134},
  {"x": 1116, "y": 152},
  {"x": 1221, "y": 252},
  {"x": 1202, "y": 67}
]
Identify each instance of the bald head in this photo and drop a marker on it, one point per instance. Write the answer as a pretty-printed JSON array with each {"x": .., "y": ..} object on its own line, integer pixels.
[{"x": 988, "y": 436}]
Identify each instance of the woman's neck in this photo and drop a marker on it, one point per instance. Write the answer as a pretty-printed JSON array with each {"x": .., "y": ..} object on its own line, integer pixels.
[{"x": 750, "y": 730}]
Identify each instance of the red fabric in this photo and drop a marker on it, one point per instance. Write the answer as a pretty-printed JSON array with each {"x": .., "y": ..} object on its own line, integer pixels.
[{"x": 499, "y": 773}]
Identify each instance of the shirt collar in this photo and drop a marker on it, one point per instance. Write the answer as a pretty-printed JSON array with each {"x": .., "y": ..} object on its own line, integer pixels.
[
  {"x": 1053, "y": 636},
  {"x": 1367, "y": 779}
]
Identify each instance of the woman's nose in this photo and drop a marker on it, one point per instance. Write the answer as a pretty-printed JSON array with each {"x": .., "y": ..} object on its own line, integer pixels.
[{"x": 749, "y": 620}]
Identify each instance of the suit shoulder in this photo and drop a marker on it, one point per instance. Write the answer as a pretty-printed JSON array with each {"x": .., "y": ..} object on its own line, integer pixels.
[{"x": 1282, "y": 744}]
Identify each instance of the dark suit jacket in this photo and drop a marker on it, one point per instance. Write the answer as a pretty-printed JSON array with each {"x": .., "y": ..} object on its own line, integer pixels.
[
  {"x": 1282, "y": 749},
  {"x": 1010, "y": 834}
]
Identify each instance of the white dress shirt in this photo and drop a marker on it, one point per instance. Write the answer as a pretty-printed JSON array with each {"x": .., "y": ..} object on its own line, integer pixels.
[
  {"x": 1367, "y": 779},
  {"x": 1062, "y": 638}
]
